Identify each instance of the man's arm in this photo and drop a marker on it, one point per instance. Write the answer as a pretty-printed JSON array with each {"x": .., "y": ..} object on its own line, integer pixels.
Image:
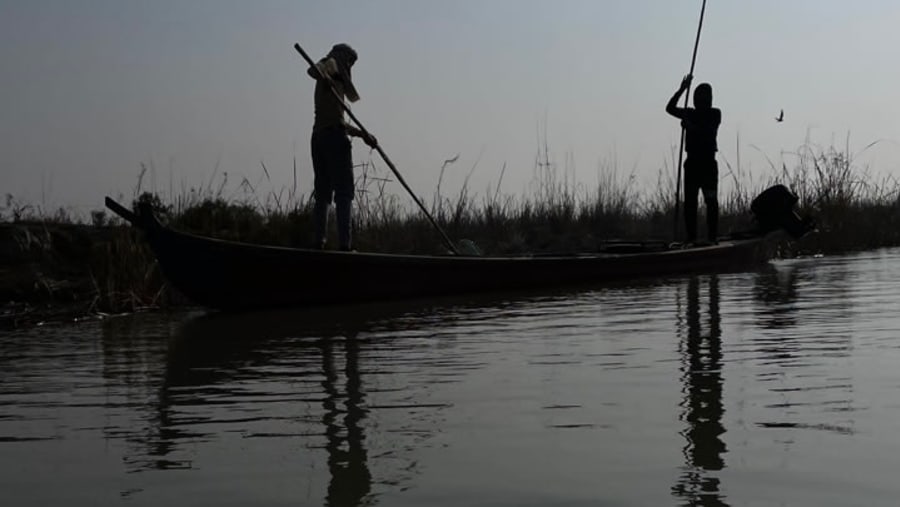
[
  {"x": 326, "y": 67},
  {"x": 672, "y": 107},
  {"x": 355, "y": 132}
]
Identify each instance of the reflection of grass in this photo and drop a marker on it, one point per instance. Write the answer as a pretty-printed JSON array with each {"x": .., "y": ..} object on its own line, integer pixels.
[{"x": 853, "y": 212}]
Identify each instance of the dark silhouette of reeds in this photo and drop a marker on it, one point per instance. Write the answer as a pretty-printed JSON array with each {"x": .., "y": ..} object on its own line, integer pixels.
[{"x": 853, "y": 211}]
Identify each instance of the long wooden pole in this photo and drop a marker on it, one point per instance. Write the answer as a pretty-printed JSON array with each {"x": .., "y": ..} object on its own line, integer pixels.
[
  {"x": 380, "y": 151},
  {"x": 687, "y": 96}
]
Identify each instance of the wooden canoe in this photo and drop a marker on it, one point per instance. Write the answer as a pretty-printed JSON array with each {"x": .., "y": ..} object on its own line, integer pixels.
[{"x": 231, "y": 275}]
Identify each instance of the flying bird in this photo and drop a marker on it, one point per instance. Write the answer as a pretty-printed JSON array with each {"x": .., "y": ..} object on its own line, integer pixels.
[{"x": 780, "y": 117}]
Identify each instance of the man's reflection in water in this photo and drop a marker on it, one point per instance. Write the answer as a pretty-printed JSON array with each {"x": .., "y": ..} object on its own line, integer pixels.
[
  {"x": 351, "y": 480},
  {"x": 207, "y": 357},
  {"x": 701, "y": 351}
]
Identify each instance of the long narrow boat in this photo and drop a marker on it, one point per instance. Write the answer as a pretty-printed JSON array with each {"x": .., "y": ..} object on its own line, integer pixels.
[{"x": 237, "y": 276}]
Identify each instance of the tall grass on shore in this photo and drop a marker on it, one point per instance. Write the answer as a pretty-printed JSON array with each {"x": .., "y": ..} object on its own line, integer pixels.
[{"x": 853, "y": 211}]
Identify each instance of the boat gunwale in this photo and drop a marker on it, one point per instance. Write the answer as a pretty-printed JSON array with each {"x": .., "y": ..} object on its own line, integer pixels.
[{"x": 721, "y": 245}]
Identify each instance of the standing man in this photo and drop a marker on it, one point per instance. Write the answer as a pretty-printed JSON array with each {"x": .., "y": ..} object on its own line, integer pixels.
[
  {"x": 331, "y": 151},
  {"x": 701, "y": 172}
]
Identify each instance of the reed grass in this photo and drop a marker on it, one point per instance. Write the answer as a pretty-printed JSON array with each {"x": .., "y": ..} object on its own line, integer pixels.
[{"x": 853, "y": 209}]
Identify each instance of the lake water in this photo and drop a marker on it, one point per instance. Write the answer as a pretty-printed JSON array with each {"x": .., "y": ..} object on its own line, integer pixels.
[{"x": 774, "y": 387}]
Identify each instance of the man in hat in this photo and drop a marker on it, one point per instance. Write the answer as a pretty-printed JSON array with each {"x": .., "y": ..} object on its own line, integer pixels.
[
  {"x": 701, "y": 172},
  {"x": 331, "y": 152}
]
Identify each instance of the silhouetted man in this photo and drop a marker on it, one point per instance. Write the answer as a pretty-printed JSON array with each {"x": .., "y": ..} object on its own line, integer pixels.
[
  {"x": 701, "y": 172},
  {"x": 331, "y": 151}
]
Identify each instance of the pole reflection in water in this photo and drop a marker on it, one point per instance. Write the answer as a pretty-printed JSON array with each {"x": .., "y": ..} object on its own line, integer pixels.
[{"x": 701, "y": 352}]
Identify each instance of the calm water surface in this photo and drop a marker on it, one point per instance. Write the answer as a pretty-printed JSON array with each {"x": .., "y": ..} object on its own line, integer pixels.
[{"x": 776, "y": 387}]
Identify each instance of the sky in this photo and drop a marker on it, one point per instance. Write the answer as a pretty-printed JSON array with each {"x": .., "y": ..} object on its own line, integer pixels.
[{"x": 194, "y": 89}]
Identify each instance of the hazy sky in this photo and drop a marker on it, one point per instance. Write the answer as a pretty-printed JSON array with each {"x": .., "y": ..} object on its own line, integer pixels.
[{"x": 93, "y": 88}]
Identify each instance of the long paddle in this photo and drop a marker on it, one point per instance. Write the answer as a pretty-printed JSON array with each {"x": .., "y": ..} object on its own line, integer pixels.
[
  {"x": 381, "y": 152},
  {"x": 687, "y": 96}
]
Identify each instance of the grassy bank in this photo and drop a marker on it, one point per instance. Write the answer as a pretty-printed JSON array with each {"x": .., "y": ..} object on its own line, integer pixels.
[{"x": 53, "y": 260}]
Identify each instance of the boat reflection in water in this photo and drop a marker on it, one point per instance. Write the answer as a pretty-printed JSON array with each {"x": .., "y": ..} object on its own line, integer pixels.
[
  {"x": 700, "y": 339},
  {"x": 296, "y": 377}
]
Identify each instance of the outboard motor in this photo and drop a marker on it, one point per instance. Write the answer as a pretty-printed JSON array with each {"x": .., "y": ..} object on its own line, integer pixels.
[{"x": 774, "y": 209}]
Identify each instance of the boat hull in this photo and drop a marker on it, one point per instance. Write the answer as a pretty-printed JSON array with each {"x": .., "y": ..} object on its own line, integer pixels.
[{"x": 239, "y": 276}]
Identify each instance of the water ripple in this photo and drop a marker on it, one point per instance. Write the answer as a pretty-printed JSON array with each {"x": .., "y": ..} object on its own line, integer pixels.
[{"x": 662, "y": 386}]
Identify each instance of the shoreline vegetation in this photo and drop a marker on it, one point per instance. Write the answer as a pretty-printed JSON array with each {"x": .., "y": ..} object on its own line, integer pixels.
[{"x": 55, "y": 266}]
